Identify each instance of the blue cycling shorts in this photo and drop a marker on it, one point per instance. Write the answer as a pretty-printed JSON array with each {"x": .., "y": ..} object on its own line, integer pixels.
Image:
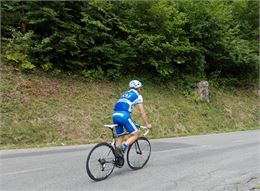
[{"x": 123, "y": 120}]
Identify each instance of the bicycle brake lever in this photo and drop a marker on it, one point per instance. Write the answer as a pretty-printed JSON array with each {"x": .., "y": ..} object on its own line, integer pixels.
[{"x": 147, "y": 130}]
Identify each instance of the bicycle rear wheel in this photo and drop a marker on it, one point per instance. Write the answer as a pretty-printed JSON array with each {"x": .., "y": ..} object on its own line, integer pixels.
[
  {"x": 139, "y": 153},
  {"x": 100, "y": 162}
]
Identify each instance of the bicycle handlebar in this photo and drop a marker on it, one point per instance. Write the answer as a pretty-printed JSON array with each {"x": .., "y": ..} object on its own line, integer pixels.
[
  {"x": 143, "y": 127},
  {"x": 147, "y": 130}
]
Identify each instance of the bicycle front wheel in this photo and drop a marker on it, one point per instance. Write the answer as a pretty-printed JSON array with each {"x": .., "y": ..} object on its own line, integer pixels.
[
  {"x": 139, "y": 153},
  {"x": 100, "y": 162}
]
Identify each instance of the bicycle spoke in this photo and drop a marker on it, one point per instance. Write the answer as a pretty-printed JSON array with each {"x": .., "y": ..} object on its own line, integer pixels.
[
  {"x": 100, "y": 162},
  {"x": 139, "y": 153}
]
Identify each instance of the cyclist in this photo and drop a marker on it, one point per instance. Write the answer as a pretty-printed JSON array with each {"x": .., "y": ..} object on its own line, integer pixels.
[{"x": 122, "y": 116}]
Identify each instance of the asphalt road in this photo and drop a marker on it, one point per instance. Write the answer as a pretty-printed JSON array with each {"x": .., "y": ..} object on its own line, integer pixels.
[{"x": 216, "y": 162}]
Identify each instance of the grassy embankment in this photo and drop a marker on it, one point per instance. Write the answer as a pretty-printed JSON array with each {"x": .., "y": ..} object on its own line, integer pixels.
[{"x": 42, "y": 110}]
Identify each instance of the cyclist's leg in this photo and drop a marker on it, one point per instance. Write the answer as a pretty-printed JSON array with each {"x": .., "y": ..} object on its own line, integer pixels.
[
  {"x": 119, "y": 140},
  {"x": 133, "y": 130},
  {"x": 118, "y": 118},
  {"x": 132, "y": 138}
]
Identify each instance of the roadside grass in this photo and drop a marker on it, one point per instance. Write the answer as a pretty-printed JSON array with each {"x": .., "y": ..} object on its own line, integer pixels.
[
  {"x": 39, "y": 110},
  {"x": 257, "y": 187}
]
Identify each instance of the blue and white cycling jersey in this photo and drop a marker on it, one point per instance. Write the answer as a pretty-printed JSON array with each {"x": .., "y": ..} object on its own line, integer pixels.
[
  {"x": 123, "y": 109},
  {"x": 129, "y": 99}
]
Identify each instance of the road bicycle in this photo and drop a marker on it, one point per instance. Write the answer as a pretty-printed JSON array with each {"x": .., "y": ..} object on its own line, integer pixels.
[{"x": 102, "y": 159}]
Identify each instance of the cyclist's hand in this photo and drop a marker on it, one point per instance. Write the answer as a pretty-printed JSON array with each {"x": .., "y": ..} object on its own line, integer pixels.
[{"x": 149, "y": 126}]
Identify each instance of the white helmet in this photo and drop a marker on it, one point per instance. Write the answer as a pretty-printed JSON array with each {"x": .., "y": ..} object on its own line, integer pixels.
[{"x": 135, "y": 84}]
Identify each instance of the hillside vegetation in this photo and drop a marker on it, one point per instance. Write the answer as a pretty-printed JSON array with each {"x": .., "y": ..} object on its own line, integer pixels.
[
  {"x": 38, "y": 109},
  {"x": 98, "y": 38},
  {"x": 69, "y": 61}
]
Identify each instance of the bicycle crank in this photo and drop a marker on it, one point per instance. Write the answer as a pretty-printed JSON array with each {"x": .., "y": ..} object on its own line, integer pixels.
[{"x": 119, "y": 162}]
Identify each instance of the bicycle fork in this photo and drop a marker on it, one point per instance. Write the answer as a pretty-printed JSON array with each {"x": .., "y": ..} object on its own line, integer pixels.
[{"x": 137, "y": 148}]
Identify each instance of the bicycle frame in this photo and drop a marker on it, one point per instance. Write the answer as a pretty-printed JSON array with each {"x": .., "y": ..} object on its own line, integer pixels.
[
  {"x": 115, "y": 136},
  {"x": 116, "y": 161},
  {"x": 112, "y": 127},
  {"x": 113, "y": 143}
]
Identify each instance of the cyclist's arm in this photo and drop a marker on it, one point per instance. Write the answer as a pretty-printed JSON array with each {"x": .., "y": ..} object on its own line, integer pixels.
[{"x": 143, "y": 114}]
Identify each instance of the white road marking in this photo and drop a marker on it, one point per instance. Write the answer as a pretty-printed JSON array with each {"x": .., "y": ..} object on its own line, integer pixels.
[
  {"x": 179, "y": 149},
  {"x": 166, "y": 150},
  {"x": 22, "y": 172},
  {"x": 238, "y": 141}
]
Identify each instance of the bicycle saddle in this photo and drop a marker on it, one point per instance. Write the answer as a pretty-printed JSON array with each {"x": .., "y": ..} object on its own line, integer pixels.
[{"x": 111, "y": 126}]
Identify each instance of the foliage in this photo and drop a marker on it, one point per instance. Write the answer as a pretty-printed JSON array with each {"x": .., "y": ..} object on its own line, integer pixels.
[
  {"x": 169, "y": 39},
  {"x": 18, "y": 50},
  {"x": 39, "y": 109}
]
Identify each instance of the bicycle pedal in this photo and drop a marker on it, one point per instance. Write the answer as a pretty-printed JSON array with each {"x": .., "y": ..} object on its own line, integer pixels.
[{"x": 120, "y": 161}]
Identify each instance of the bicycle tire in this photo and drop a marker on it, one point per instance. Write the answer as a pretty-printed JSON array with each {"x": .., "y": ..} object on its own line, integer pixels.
[
  {"x": 97, "y": 160},
  {"x": 139, "y": 153}
]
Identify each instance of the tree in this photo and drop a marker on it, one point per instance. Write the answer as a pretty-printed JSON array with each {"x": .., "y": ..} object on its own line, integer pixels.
[{"x": 166, "y": 38}]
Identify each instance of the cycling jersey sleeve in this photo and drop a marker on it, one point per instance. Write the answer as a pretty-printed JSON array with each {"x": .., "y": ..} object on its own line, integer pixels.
[{"x": 139, "y": 100}]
